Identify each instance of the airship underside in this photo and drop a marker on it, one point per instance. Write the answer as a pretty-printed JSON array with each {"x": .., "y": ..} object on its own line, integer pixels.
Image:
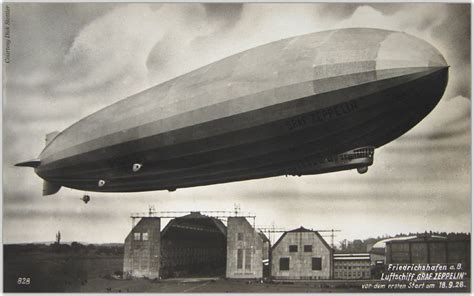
[{"x": 304, "y": 105}]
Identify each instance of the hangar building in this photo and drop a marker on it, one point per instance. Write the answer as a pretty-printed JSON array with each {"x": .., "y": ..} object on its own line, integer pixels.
[
  {"x": 429, "y": 249},
  {"x": 194, "y": 245},
  {"x": 302, "y": 254},
  {"x": 377, "y": 251}
]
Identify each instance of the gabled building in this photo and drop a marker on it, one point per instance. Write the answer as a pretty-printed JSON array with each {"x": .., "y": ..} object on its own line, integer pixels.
[{"x": 301, "y": 254}]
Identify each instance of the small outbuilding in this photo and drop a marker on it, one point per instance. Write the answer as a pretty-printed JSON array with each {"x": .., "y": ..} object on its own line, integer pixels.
[
  {"x": 352, "y": 266},
  {"x": 301, "y": 254}
]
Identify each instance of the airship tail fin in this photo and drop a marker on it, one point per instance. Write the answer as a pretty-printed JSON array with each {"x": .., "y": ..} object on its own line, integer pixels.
[
  {"x": 34, "y": 163},
  {"x": 51, "y": 136},
  {"x": 50, "y": 188}
]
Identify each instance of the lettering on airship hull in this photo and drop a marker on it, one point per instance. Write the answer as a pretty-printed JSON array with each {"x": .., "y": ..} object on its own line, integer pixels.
[{"x": 322, "y": 115}]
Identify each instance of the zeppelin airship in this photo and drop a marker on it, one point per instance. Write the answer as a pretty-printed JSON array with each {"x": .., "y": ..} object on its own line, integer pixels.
[{"x": 309, "y": 104}]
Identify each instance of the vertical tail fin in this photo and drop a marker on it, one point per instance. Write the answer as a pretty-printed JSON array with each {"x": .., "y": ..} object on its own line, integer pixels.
[
  {"x": 50, "y": 188},
  {"x": 51, "y": 136}
]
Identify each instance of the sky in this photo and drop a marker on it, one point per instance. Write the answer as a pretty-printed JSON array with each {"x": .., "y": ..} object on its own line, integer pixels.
[{"x": 69, "y": 60}]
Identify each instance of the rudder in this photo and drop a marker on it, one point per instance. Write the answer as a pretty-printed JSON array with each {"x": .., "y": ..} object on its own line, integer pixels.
[{"x": 50, "y": 188}]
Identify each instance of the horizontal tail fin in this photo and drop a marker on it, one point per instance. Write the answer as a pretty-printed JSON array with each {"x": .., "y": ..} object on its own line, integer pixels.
[
  {"x": 34, "y": 163},
  {"x": 50, "y": 188}
]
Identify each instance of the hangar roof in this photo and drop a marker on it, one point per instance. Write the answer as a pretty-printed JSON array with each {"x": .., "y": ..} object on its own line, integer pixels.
[
  {"x": 301, "y": 229},
  {"x": 382, "y": 243},
  {"x": 351, "y": 256},
  {"x": 196, "y": 222}
]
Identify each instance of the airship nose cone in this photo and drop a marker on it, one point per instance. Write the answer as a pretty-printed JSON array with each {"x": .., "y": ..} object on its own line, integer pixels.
[{"x": 400, "y": 50}]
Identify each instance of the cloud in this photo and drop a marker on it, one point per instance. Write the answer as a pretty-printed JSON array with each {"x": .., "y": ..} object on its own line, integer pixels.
[
  {"x": 45, "y": 32},
  {"x": 110, "y": 50},
  {"x": 446, "y": 26},
  {"x": 449, "y": 119},
  {"x": 226, "y": 14},
  {"x": 455, "y": 31},
  {"x": 252, "y": 24}
]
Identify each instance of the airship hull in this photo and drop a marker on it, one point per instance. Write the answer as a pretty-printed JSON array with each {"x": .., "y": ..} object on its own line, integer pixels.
[{"x": 254, "y": 115}]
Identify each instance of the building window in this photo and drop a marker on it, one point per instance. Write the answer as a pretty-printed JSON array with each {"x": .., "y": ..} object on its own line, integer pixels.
[
  {"x": 248, "y": 259},
  {"x": 316, "y": 263},
  {"x": 308, "y": 248},
  {"x": 285, "y": 263},
  {"x": 293, "y": 248},
  {"x": 240, "y": 236},
  {"x": 136, "y": 236},
  {"x": 240, "y": 258},
  {"x": 145, "y": 236}
]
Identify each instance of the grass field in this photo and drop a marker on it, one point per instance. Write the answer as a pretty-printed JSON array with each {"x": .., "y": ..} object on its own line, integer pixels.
[{"x": 51, "y": 269}]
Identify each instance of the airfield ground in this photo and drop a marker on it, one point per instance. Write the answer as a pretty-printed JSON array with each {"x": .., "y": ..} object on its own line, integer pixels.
[{"x": 92, "y": 269}]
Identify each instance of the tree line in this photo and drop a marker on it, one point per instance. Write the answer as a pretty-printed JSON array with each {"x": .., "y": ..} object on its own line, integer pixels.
[{"x": 363, "y": 246}]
